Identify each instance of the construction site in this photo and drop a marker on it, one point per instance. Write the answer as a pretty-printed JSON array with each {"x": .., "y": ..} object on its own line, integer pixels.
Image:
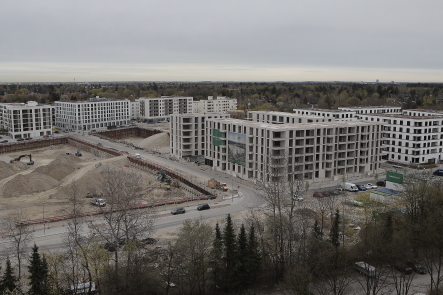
[{"x": 37, "y": 176}]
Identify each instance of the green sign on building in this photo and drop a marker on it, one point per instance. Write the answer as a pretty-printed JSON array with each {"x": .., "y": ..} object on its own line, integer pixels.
[
  {"x": 216, "y": 140},
  {"x": 394, "y": 177}
]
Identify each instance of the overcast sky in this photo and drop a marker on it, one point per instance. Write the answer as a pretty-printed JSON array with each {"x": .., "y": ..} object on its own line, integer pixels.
[{"x": 205, "y": 40}]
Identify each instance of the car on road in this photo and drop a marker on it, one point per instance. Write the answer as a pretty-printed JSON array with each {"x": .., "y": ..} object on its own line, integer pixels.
[
  {"x": 381, "y": 183},
  {"x": 28, "y": 138},
  {"x": 179, "y": 210},
  {"x": 361, "y": 187},
  {"x": 370, "y": 186},
  {"x": 416, "y": 266},
  {"x": 438, "y": 172},
  {"x": 20, "y": 139},
  {"x": 404, "y": 269},
  {"x": 203, "y": 207},
  {"x": 4, "y": 141},
  {"x": 318, "y": 195},
  {"x": 45, "y": 136}
]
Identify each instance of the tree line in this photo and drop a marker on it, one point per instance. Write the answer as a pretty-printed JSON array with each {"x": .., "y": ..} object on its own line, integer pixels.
[{"x": 297, "y": 246}]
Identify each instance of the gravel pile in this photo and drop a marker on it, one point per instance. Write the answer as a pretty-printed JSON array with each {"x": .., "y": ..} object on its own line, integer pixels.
[
  {"x": 61, "y": 167},
  {"x": 8, "y": 169},
  {"x": 28, "y": 184},
  {"x": 157, "y": 141}
]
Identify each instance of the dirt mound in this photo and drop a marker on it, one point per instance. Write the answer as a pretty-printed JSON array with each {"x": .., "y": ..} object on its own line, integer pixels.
[
  {"x": 28, "y": 184},
  {"x": 61, "y": 167},
  {"x": 8, "y": 169},
  {"x": 159, "y": 140}
]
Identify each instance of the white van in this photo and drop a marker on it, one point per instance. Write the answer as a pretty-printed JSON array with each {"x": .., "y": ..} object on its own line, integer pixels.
[
  {"x": 350, "y": 187},
  {"x": 137, "y": 156}
]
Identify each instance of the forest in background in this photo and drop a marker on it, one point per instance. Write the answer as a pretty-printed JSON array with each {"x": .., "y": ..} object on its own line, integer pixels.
[{"x": 271, "y": 96}]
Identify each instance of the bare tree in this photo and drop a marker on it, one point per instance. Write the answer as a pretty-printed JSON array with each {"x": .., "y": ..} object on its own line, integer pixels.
[
  {"x": 123, "y": 222},
  {"x": 18, "y": 233}
]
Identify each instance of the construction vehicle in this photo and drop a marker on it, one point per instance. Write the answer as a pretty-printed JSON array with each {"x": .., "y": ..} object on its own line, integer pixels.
[
  {"x": 212, "y": 183},
  {"x": 78, "y": 153},
  {"x": 18, "y": 159}
]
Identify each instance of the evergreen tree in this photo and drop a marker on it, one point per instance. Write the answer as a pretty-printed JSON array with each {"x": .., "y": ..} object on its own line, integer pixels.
[
  {"x": 217, "y": 253},
  {"x": 38, "y": 273},
  {"x": 254, "y": 257},
  {"x": 230, "y": 257},
  {"x": 335, "y": 233},
  {"x": 8, "y": 281},
  {"x": 241, "y": 269}
]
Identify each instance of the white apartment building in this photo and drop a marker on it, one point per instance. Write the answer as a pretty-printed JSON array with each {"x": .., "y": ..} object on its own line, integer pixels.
[
  {"x": 220, "y": 104},
  {"x": 26, "y": 120},
  {"x": 160, "y": 108},
  {"x": 334, "y": 115},
  {"x": 285, "y": 118},
  {"x": 308, "y": 151},
  {"x": 93, "y": 114},
  {"x": 411, "y": 139},
  {"x": 372, "y": 110},
  {"x": 422, "y": 113},
  {"x": 187, "y": 134},
  {"x": 134, "y": 109}
]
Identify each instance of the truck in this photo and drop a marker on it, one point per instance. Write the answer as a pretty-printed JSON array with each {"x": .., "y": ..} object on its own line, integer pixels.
[
  {"x": 98, "y": 202},
  {"x": 366, "y": 269},
  {"x": 349, "y": 187},
  {"x": 212, "y": 183}
]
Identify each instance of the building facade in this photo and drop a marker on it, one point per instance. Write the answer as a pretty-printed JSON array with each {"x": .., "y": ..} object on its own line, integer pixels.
[
  {"x": 92, "y": 114},
  {"x": 134, "y": 109},
  {"x": 411, "y": 139},
  {"x": 333, "y": 115},
  {"x": 26, "y": 120},
  {"x": 306, "y": 151},
  {"x": 160, "y": 108},
  {"x": 220, "y": 104},
  {"x": 373, "y": 110},
  {"x": 285, "y": 118},
  {"x": 188, "y": 134}
]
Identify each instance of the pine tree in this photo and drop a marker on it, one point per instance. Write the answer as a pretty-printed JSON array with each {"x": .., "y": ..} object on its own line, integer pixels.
[
  {"x": 217, "y": 253},
  {"x": 230, "y": 257},
  {"x": 335, "y": 233},
  {"x": 38, "y": 273},
  {"x": 241, "y": 269},
  {"x": 254, "y": 257},
  {"x": 8, "y": 281}
]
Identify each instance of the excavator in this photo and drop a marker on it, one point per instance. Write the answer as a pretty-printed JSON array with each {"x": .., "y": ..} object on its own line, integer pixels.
[{"x": 18, "y": 159}]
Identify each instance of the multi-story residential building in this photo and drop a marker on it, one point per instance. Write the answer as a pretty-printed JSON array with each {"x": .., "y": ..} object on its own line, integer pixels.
[
  {"x": 93, "y": 114},
  {"x": 416, "y": 139},
  {"x": 26, "y": 120},
  {"x": 334, "y": 115},
  {"x": 307, "y": 151},
  {"x": 285, "y": 118},
  {"x": 134, "y": 109},
  {"x": 220, "y": 104},
  {"x": 373, "y": 110},
  {"x": 160, "y": 108},
  {"x": 187, "y": 134}
]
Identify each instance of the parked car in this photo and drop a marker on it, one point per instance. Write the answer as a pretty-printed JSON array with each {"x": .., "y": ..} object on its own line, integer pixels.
[
  {"x": 297, "y": 198},
  {"x": 203, "y": 207},
  {"x": 361, "y": 187},
  {"x": 28, "y": 138},
  {"x": 417, "y": 267},
  {"x": 381, "y": 183},
  {"x": 403, "y": 269},
  {"x": 318, "y": 195},
  {"x": 370, "y": 186},
  {"x": 45, "y": 136},
  {"x": 20, "y": 139},
  {"x": 4, "y": 141},
  {"x": 179, "y": 210}
]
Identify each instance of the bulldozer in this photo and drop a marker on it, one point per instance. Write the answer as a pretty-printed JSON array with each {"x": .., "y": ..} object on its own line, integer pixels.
[{"x": 18, "y": 159}]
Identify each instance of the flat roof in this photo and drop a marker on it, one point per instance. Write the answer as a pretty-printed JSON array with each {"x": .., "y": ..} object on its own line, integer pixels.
[
  {"x": 373, "y": 107},
  {"x": 322, "y": 110},
  {"x": 288, "y": 114},
  {"x": 297, "y": 125},
  {"x": 404, "y": 116}
]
